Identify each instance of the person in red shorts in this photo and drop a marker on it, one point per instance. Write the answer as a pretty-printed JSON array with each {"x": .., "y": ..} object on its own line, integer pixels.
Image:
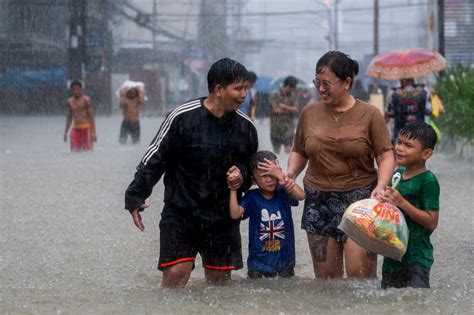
[{"x": 80, "y": 111}]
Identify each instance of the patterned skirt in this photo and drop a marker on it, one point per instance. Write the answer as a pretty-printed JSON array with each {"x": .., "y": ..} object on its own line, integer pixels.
[{"x": 323, "y": 210}]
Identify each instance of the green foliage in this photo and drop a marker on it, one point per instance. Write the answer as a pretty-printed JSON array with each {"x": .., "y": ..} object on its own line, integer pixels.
[{"x": 456, "y": 91}]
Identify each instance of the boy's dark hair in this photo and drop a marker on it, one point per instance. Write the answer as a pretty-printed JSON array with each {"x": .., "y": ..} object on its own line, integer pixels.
[
  {"x": 340, "y": 63},
  {"x": 290, "y": 81},
  {"x": 260, "y": 156},
  {"x": 422, "y": 132},
  {"x": 224, "y": 72},
  {"x": 74, "y": 83},
  {"x": 251, "y": 77}
]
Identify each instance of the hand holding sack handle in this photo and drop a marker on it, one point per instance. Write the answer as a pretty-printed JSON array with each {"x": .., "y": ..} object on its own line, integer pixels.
[{"x": 377, "y": 226}]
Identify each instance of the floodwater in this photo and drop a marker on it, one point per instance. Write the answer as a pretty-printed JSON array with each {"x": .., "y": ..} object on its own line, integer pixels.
[{"x": 67, "y": 245}]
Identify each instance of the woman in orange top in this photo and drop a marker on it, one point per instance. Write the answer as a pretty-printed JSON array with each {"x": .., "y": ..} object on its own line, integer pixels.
[{"x": 338, "y": 138}]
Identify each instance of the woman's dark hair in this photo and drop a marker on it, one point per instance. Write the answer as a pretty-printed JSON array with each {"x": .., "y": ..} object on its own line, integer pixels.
[
  {"x": 224, "y": 72},
  {"x": 422, "y": 132},
  {"x": 340, "y": 63},
  {"x": 260, "y": 156}
]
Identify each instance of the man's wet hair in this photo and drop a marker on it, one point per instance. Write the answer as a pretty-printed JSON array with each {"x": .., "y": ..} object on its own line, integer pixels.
[
  {"x": 422, "y": 132},
  {"x": 340, "y": 63},
  {"x": 225, "y": 72},
  {"x": 251, "y": 77},
  {"x": 74, "y": 83},
  {"x": 290, "y": 81},
  {"x": 132, "y": 93},
  {"x": 259, "y": 157}
]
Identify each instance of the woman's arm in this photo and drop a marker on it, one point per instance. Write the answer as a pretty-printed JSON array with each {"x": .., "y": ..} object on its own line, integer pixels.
[
  {"x": 386, "y": 165},
  {"x": 296, "y": 164}
]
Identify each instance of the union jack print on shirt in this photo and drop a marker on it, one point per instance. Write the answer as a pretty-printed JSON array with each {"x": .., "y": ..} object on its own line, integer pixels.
[{"x": 271, "y": 231}]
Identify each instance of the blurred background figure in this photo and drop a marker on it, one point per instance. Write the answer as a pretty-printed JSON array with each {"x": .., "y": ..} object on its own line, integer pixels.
[
  {"x": 248, "y": 106},
  {"x": 358, "y": 91},
  {"x": 130, "y": 105},
  {"x": 80, "y": 112},
  {"x": 284, "y": 107},
  {"x": 407, "y": 104}
]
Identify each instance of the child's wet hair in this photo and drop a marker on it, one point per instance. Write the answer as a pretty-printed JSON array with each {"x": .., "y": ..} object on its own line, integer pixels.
[
  {"x": 225, "y": 72},
  {"x": 259, "y": 157},
  {"x": 422, "y": 132}
]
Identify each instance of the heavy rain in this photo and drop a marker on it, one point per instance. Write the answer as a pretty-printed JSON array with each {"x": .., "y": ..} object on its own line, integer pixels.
[{"x": 67, "y": 243}]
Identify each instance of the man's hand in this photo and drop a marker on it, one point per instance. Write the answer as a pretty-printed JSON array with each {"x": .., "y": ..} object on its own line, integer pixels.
[
  {"x": 137, "y": 218},
  {"x": 95, "y": 138},
  {"x": 65, "y": 137},
  {"x": 234, "y": 178}
]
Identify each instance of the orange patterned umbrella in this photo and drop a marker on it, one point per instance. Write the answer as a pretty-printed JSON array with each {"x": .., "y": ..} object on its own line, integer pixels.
[{"x": 404, "y": 64}]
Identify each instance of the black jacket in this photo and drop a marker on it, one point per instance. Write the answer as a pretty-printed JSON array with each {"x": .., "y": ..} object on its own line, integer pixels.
[{"x": 195, "y": 149}]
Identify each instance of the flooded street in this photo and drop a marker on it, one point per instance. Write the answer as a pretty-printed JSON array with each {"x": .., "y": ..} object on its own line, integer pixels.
[{"x": 67, "y": 245}]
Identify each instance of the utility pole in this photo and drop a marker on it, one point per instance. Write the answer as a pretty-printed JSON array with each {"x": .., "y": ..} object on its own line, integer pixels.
[
  {"x": 441, "y": 41},
  {"x": 376, "y": 27},
  {"x": 153, "y": 31},
  {"x": 336, "y": 4},
  {"x": 76, "y": 49}
]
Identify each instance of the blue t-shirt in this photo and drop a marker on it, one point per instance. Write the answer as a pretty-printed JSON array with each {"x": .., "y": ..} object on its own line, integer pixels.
[{"x": 271, "y": 232}]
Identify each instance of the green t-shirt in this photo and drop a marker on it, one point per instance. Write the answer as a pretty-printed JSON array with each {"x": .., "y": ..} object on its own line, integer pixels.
[{"x": 422, "y": 191}]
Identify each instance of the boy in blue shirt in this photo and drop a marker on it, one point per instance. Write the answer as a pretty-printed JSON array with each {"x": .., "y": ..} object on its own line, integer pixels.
[
  {"x": 271, "y": 232},
  {"x": 417, "y": 196}
]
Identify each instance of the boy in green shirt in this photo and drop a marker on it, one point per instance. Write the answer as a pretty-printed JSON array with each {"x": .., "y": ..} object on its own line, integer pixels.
[{"x": 417, "y": 196}]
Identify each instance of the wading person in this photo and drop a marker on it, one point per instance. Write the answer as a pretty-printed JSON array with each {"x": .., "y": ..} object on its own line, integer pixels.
[
  {"x": 203, "y": 149},
  {"x": 417, "y": 195},
  {"x": 338, "y": 138},
  {"x": 130, "y": 105},
  {"x": 248, "y": 105},
  {"x": 407, "y": 104},
  {"x": 80, "y": 111},
  {"x": 271, "y": 232},
  {"x": 284, "y": 107}
]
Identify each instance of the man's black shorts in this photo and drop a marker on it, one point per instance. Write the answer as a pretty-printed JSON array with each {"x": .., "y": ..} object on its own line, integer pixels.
[
  {"x": 184, "y": 234},
  {"x": 129, "y": 128},
  {"x": 414, "y": 276}
]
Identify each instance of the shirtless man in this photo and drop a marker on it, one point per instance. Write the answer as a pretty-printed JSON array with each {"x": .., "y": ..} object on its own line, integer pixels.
[
  {"x": 130, "y": 104},
  {"x": 80, "y": 110}
]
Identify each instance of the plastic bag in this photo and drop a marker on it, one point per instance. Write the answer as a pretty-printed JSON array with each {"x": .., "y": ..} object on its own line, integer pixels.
[
  {"x": 377, "y": 226},
  {"x": 128, "y": 84},
  {"x": 437, "y": 105}
]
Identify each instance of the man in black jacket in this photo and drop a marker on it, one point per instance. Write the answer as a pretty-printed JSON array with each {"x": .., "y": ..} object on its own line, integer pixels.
[{"x": 202, "y": 148}]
